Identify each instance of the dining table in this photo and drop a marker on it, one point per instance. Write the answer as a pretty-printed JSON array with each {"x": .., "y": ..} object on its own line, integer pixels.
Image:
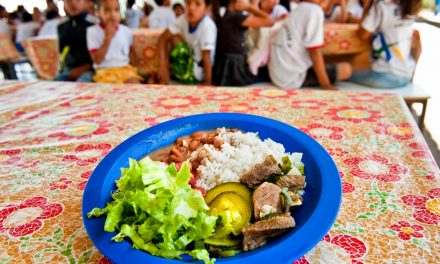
[{"x": 54, "y": 134}]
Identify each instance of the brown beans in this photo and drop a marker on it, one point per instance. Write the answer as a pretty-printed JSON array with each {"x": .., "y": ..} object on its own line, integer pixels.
[
  {"x": 208, "y": 140},
  {"x": 179, "y": 141},
  {"x": 233, "y": 130},
  {"x": 218, "y": 143},
  {"x": 198, "y": 134},
  {"x": 181, "y": 149},
  {"x": 212, "y": 134},
  {"x": 195, "y": 164},
  {"x": 194, "y": 145},
  {"x": 174, "y": 151},
  {"x": 174, "y": 158}
]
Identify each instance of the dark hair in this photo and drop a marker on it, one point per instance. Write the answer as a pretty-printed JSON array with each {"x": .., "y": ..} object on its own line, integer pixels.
[
  {"x": 51, "y": 14},
  {"x": 409, "y": 7},
  {"x": 147, "y": 9},
  {"x": 26, "y": 17},
  {"x": 130, "y": 3},
  {"x": 21, "y": 8},
  {"x": 178, "y": 5},
  {"x": 207, "y": 2},
  {"x": 216, "y": 4},
  {"x": 159, "y": 2}
]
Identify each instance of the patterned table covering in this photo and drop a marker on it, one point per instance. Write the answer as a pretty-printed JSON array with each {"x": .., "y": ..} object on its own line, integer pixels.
[{"x": 52, "y": 135}]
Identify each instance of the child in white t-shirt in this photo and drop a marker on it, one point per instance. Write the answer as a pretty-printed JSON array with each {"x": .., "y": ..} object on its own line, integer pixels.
[
  {"x": 335, "y": 10},
  {"x": 389, "y": 25},
  {"x": 49, "y": 28},
  {"x": 355, "y": 9},
  {"x": 109, "y": 44},
  {"x": 199, "y": 32},
  {"x": 162, "y": 16},
  {"x": 297, "y": 47},
  {"x": 274, "y": 9},
  {"x": 132, "y": 16}
]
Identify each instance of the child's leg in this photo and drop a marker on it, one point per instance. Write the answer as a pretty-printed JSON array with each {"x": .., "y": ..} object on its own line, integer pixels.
[
  {"x": 85, "y": 77},
  {"x": 381, "y": 80},
  {"x": 343, "y": 71}
]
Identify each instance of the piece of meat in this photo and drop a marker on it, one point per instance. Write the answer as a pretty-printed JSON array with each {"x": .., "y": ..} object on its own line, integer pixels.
[
  {"x": 261, "y": 172},
  {"x": 293, "y": 182},
  {"x": 256, "y": 235},
  {"x": 267, "y": 199}
]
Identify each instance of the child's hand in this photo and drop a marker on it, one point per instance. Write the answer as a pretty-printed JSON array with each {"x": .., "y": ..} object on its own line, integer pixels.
[
  {"x": 110, "y": 30},
  {"x": 241, "y": 5},
  {"x": 329, "y": 87}
]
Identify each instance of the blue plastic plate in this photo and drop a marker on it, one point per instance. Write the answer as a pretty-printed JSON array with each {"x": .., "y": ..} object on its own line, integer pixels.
[{"x": 314, "y": 218}]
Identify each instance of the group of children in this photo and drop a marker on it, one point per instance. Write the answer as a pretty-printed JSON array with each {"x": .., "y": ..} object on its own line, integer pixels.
[{"x": 213, "y": 36}]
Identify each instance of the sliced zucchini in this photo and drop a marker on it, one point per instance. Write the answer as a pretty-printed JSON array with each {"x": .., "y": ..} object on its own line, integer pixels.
[
  {"x": 234, "y": 210},
  {"x": 228, "y": 187},
  {"x": 222, "y": 244}
]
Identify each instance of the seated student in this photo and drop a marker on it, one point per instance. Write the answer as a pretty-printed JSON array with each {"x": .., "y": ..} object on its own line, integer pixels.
[
  {"x": 132, "y": 16},
  {"x": 274, "y": 9},
  {"x": 297, "y": 47},
  {"x": 178, "y": 9},
  {"x": 49, "y": 28},
  {"x": 144, "y": 22},
  {"x": 109, "y": 44},
  {"x": 389, "y": 25},
  {"x": 77, "y": 63},
  {"x": 231, "y": 67},
  {"x": 27, "y": 29},
  {"x": 335, "y": 10},
  {"x": 4, "y": 26},
  {"x": 162, "y": 16},
  {"x": 199, "y": 33},
  {"x": 355, "y": 9}
]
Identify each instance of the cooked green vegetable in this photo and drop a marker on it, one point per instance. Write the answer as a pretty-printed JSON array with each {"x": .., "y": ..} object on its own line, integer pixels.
[
  {"x": 286, "y": 165},
  {"x": 236, "y": 187},
  {"x": 156, "y": 208}
]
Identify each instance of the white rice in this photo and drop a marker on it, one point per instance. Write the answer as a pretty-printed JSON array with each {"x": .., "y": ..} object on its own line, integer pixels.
[{"x": 238, "y": 154}]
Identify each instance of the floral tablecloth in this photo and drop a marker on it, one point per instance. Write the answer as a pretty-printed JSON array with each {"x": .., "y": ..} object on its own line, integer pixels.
[{"x": 52, "y": 135}]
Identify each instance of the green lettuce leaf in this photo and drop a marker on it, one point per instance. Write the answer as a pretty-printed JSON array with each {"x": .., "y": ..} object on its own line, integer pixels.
[{"x": 155, "y": 207}]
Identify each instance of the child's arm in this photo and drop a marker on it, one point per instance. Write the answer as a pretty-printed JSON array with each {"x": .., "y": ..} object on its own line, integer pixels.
[
  {"x": 163, "y": 73},
  {"x": 133, "y": 59},
  {"x": 256, "y": 18},
  {"x": 99, "y": 55},
  {"x": 207, "y": 66},
  {"x": 343, "y": 15},
  {"x": 319, "y": 68}
]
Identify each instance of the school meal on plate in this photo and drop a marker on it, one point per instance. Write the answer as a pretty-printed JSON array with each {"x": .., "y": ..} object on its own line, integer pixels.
[{"x": 210, "y": 194}]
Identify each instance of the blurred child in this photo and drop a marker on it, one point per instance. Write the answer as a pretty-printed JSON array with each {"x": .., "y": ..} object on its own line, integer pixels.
[
  {"x": 274, "y": 9},
  {"x": 296, "y": 57},
  {"x": 109, "y": 44},
  {"x": 335, "y": 10},
  {"x": 199, "y": 32},
  {"x": 4, "y": 26},
  {"x": 389, "y": 25},
  {"x": 144, "y": 23},
  {"x": 231, "y": 67},
  {"x": 132, "y": 16},
  {"x": 37, "y": 16},
  {"x": 178, "y": 9},
  {"x": 355, "y": 10},
  {"x": 49, "y": 28},
  {"x": 76, "y": 60},
  {"x": 26, "y": 29},
  {"x": 162, "y": 16}
]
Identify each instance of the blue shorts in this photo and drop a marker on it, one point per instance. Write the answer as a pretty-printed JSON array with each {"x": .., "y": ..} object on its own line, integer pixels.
[
  {"x": 63, "y": 76},
  {"x": 382, "y": 80}
]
